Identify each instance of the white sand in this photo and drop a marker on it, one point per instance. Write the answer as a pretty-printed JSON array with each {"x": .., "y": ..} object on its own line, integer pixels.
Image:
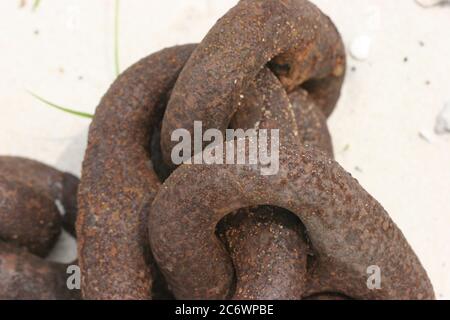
[{"x": 382, "y": 128}]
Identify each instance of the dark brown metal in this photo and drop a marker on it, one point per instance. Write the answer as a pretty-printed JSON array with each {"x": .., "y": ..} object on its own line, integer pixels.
[
  {"x": 267, "y": 84},
  {"x": 268, "y": 252},
  {"x": 30, "y": 224},
  {"x": 24, "y": 276},
  {"x": 28, "y": 218},
  {"x": 300, "y": 42},
  {"x": 311, "y": 122},
  {"x": 119, "y": 182},
  {"x": 322, "y": 253},
  {"x": 59, "y": 187},
  {"x": 348, "y": 229},
  {"x": 263, "y": 103}
]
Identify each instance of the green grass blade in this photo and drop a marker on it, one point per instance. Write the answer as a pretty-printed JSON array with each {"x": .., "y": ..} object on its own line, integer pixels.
[
  {"x": 116, "y": 38},
  {"x": 67, "y": 110}
]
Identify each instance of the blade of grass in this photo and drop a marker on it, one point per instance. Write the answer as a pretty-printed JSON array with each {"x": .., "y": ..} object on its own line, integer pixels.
[
  {"x": 67, "y": 110},
  {"x": 36, "y": 4},
  {"x": 116, "y": 38}
]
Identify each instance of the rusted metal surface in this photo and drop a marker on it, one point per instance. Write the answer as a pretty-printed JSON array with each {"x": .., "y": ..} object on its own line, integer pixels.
[
  {"x": 28, "y": 218},
  {"x": 300, "y": 42},
  {"x": 311, "y": 122},
  {"x": 216, "y": 231},
  {"x": 268, "y": 252},
  {"x": 347, "y": 228},
  {"x": 266, "y": 247},
  {"x": 119, "y": 182},
  {"x": 24, "y": 276},
  {"x": 263, "y": 103},
  {"x": 59, "y": 187},
  {"x": 309, "y": 231},
  {"x": 30, "y": 224},
  {"x": 260, "y": 110}
]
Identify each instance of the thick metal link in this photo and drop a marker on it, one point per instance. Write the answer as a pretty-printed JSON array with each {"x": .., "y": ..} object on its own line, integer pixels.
[{"x": 30, "y": 224}]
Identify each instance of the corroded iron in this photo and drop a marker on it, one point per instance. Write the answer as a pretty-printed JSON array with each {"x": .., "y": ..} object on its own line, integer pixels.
[
  {"x": 268, "y": 251},
  {"x": 300, "y": 43},
  {"x": 263, "y": 103},
  {"x": 30, "y": 224},
  {"x": 119, "y": 181},
  {"x": 27, "y": 218},
  {"x": 59, "y": 187},
  {"x": 348, "y": 230},
  {"x": 24, "y": 276},
  {"x": 309, "y": 231}
]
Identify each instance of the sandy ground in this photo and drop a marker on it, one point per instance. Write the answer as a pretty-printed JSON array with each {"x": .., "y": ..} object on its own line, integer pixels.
[{"x": 382, "y": 128}]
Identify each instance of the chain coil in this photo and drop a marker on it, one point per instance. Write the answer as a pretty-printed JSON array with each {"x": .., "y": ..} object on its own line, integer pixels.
[{"x": 225, "y": 231}]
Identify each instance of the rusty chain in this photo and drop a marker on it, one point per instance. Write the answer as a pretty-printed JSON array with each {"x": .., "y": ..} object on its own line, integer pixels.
[
  {"x": 223, "y": 82},
  {"x": 30, "y": 224},
  {"x": 149, "y": 230}
]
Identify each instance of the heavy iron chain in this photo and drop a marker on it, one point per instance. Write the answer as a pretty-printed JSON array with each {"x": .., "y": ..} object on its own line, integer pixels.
[
  {"x": 149, "y": 230},
  {"x": 266, "y": 64}
]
